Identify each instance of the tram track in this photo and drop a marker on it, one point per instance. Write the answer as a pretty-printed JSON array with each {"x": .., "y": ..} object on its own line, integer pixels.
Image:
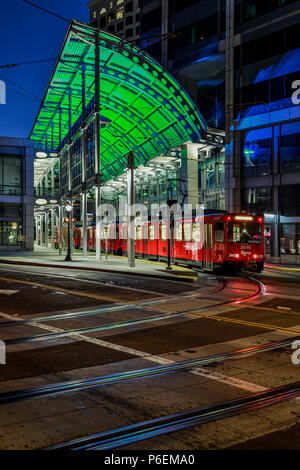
[
  {"x": 170, "y": 315},
  {"x": 111, "y": 379},
  {"x": 145, "y": 430},
  {"x": 117, "y": 307}
]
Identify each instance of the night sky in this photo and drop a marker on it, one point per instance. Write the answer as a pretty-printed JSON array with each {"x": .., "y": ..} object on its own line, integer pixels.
[{"x": 27, "y": 34}]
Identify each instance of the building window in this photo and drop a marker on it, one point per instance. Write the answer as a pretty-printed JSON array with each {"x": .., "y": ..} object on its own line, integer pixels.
[
  {"x": 111, "y": 5},
  {"x": 257, "y": 200},
  {"x": 94, "y": 14},
  {"x": 290, "y": 148},
  {"x": 129, "y": 7},
  {"x": 119, "y": 2},
  {"x": 103, "y": 22},
  {"x": 111, "y": 18},
  {"x": 120, "y": 14},
  {"x": 129, "y": 20},
  {"x": 102, "y": 11},
  {"x": 289, "y": 197},
  {"x": 129, "y": 33},
  {"x": 120, "y": 26},
  {"x": 257, "y": 153},
  {"x": 290, "y": 239},
  {"x": 11, "y": 211},
  {"x": 9, "y": 233},
  {"x": 11, "y": 175}
]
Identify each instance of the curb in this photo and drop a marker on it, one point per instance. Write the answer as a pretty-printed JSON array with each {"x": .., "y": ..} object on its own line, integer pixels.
[
  {"x": 283, "y": 268},
  {"x": 181, "y": 277}
]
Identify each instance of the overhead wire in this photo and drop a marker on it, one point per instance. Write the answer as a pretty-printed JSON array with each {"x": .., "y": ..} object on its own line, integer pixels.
[
  {"x": 45, "y": 10},
  {"x": 9, "y": 66}
]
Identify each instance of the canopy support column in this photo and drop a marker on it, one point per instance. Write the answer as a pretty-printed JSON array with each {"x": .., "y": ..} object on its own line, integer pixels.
[
  {"x": 52, "y": 228},
  {"x": 97, "y": 146},
  {"x": 46, "y": 229},
  {"x": 60, "y": 216},
  {"x": 189, "y": 174}
]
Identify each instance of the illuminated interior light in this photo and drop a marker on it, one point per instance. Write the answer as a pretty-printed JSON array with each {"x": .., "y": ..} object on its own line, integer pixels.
[
  {"x": 41, "y": 154},
  {"x": 243, "y": 217}
]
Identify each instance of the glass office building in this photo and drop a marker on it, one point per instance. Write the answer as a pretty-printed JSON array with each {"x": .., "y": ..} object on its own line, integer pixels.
[{"x": 16, "y": 194}]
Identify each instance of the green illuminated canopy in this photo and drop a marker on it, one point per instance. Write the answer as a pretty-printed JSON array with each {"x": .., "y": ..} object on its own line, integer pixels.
[{"x": 148, "y": 111}]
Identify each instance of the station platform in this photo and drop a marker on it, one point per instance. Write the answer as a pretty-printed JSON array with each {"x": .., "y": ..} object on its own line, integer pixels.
[{"x": 48, "y": 257}]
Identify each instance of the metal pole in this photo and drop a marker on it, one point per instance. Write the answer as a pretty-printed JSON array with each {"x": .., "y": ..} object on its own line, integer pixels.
[
  {"x": 41, "y": 230},
  {"x": 97, "y": 146},
  {"x": 106, "y": 235},
  {"x": 36, "y": 229},
  {"x": 131, "y": 202},
  {"x": 60, "y": 212},
  {"x": 84, "y": 223},
  {"x": 52, "y": 228},
  {"x": 169, "y": 252},
  {"x": 98, "y": 222},
  {"x": 46, "y": 229},
  {"x": 68, "y": 257}
]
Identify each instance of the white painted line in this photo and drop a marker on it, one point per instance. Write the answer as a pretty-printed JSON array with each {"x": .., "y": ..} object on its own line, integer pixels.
[
  {"x": 153, "y": 358},
  {"x": 99, "y": 342},
  {"x": 8, "y": 292},
  {"x": 233, "y": 381}
]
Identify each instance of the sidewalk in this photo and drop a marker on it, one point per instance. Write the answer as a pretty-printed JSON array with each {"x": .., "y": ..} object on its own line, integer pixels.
[
  {"x": 284, "y": 267},
  {"x": 47, "y": 257}
]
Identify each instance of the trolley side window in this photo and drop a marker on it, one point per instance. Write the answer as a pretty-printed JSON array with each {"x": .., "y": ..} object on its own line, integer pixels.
[
  {"x": 138, "y": 232},
  {"x": 187, "y": 232},
  {"x": 196, "y": 232},
  {"x": 151, "y": 232},
  {"x": 163, "y": 232},
  {"x": 219, "y": 232},
  {"x": 145, "y": 232},
  {"x": 178, "y": 232}
]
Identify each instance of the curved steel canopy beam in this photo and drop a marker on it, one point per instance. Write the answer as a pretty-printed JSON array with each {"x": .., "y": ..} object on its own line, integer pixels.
[{"x": 149, "y": 111}]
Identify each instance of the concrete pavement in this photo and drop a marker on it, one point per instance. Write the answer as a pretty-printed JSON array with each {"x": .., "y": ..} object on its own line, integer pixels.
[{"x": 48, "y": 257}]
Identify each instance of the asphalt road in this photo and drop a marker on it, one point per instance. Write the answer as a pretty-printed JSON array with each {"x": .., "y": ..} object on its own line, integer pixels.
[{"x": 72, "y": 325}]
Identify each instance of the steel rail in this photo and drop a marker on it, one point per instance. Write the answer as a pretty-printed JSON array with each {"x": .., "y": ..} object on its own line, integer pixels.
[
  {"x": 111, "y": 379},
  {"x": 126, "y": 435},
  {"x": 93, "y": 329},
  {"x": 117, "y": 307}
]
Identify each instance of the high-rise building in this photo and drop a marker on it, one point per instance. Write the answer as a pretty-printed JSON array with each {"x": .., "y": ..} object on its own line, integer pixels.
[
  {"x": 262, "y": 120},
  {"x": 239, "y": 60},
  {"x": 120, "y": 17}
]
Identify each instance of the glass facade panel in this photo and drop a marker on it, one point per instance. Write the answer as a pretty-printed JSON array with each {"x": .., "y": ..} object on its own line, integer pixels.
[
  {"x": 290, "y": 239},
  {"x": 289, "y": 197},
  {"x": 257, "y": 200},
  {"x": 9, "y": 232},
  {"x": 11, "y": 175},
  {"x": 10, "y": 211},
  {"x": 257, "y": 157},
  {"x": 290, "y": 153}
]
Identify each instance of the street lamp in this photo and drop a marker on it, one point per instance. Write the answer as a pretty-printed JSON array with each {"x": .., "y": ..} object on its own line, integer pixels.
[{"x": 68, "y": 208}]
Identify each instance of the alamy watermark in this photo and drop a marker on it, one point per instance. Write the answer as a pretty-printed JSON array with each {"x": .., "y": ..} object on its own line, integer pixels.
[
  {"x": 296, "y": 354},
  {"x": 296, "y": 94},
  {"x": 2, "y": 92},
  {"x": 167, "y": 218},
  {"x": 2, "y": 352}
]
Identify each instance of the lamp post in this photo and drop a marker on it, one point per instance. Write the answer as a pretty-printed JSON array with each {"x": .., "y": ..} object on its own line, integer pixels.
[{"x": 68, "y": 208}]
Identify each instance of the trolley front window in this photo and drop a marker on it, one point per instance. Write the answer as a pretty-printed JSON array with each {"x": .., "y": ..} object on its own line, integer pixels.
[{"x": 247, "y": 232}]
